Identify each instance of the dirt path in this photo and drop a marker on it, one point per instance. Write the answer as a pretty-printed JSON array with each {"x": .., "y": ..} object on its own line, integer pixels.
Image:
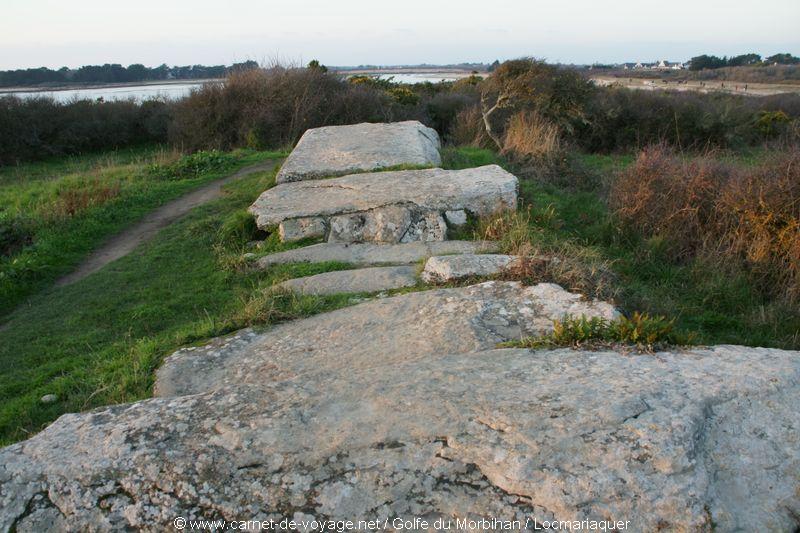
[{"x": 124, "y": 243}]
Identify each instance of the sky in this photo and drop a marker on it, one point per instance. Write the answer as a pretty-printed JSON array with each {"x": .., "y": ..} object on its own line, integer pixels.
[{"x": 55, "y": 33}]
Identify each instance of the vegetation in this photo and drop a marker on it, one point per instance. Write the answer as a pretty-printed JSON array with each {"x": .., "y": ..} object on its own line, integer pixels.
[
  {"x": 115, "y": 73},
  {"x": 54, "y": 214},
  {"x": 572, "y": 236},
  {"x": 704, "y": 61},
  {"x": 546, "y": 107},
  {"x": 40, "y": 128},
  {"x": 99, "y": 340},
  {"x": 640, "y": 330},
  {"x": 620, "y": 199}
]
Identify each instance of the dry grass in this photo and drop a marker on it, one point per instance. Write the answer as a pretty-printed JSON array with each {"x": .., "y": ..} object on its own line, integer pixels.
[
  {"x": 732, "y": 216},
  {"x": 574, "y": 267},
  {"x": 73, "y": 201},
  {"x": 529, "y": 136}
]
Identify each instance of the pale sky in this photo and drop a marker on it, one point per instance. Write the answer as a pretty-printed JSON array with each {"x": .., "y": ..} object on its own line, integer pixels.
[{"x": 55, "y": 33}]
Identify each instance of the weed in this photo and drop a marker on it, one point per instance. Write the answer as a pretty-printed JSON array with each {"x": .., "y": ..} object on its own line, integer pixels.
[{"x": 644, "y": 332}]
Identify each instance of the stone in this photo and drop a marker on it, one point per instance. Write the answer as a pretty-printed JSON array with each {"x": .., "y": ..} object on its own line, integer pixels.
[
  {"x": 686, "y": 440},
  {"x": 338, "y": 150},
  {"x": 379, "y": 205},
  {"x": 416, "y": 325},
  {"x": 439, "y": 269},
  {"x": 429, "y": 227},
  {"x": 384, "y": 224},
  {"x": 296, "y": 229},
  {"x": 49, "y": 398},
  {"x": 456, "y": 218},
  {"x": 368, "y": 253},
  {"x": 350, "y": 281}
]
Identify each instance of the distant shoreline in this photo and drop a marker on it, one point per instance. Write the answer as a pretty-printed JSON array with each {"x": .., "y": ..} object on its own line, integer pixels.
[
  {"x": 82, "y": 86},
  {"x": 428, "y": 72}
]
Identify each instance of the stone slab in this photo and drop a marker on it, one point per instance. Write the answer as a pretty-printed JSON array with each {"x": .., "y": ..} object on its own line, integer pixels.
[
  {"x": 351, "y": 281},
  {"x": 439, "y": 269},
  {"x": 375, "y": 254},
  {"x": 387, "y": 204},
  {"x": 338, "y": 150},
  {"x": 697, "y": 440},
  {"x": 400, "y": 328}
]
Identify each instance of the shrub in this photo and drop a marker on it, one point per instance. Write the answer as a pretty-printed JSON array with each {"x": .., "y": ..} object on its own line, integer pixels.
[
  {"x": 623, "y": 119},
  {"x": 746, "y": 216},
  {"x": 15, "y": 233},
  {"x": 557, "y": 95},
  {"x": 36, "y": 128},
  {"x": 271, "y": 108},
  {"x": 443, "y": 108},
  {"x": 468, "y": 129}
]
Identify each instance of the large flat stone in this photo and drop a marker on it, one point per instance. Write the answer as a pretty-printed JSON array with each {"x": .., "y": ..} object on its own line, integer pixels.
[
  {"x": 453, "y": 267},
  {"x": 375, "y": 254},
  {"x": 389, "y": 206},
  {"x": 410, "y": 326},
  {"x": 338, "y": 150},
  {"x": 689, "y": 441},
  {"x": 350, "y": 281}
]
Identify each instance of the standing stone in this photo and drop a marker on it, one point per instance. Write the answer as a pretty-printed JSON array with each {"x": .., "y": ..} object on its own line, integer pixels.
[{"x": 338, "y": 150}]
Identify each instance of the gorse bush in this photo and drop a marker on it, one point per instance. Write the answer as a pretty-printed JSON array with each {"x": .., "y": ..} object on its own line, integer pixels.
[{"x": 730, "y": 216}]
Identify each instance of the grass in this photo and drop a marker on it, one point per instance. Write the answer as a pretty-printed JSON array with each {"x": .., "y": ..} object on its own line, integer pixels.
[
  {"x": 716, "y": 306},
  {"x": 55, "y": 213},
  {"x": 100, "y": 340}
]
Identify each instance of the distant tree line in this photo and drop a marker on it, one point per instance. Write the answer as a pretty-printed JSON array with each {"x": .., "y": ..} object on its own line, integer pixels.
[
  {"x": 704, "y": 61},
  {"x": 116, "y": 73}
]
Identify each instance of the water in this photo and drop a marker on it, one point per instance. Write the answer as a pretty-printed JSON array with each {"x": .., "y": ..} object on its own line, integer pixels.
[
  {"x": 170, "y": 91},
  {"x": 175, "y": 91},
  {"x": 421, "y": 77}
]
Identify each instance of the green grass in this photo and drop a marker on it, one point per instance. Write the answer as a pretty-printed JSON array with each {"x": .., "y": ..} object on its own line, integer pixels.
[
  {"x": 717, "y": 307},
  {"x": 100, "y": 340},
  {"x": 55, "y": 213}
]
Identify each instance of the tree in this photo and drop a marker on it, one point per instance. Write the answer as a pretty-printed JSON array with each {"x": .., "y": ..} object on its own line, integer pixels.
[
  {"x": 744, "y": 59},
  {"x": 783, "y": 59},
  {"x": 558, "y": 95},
  {"x": 707, "y": 62},
  {"x": 315, "y": 65}
]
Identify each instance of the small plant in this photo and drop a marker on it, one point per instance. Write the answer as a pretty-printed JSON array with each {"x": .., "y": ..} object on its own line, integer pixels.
[
  {"x": 641, "y": 330},
  {"x": 191, "y": 166}
]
